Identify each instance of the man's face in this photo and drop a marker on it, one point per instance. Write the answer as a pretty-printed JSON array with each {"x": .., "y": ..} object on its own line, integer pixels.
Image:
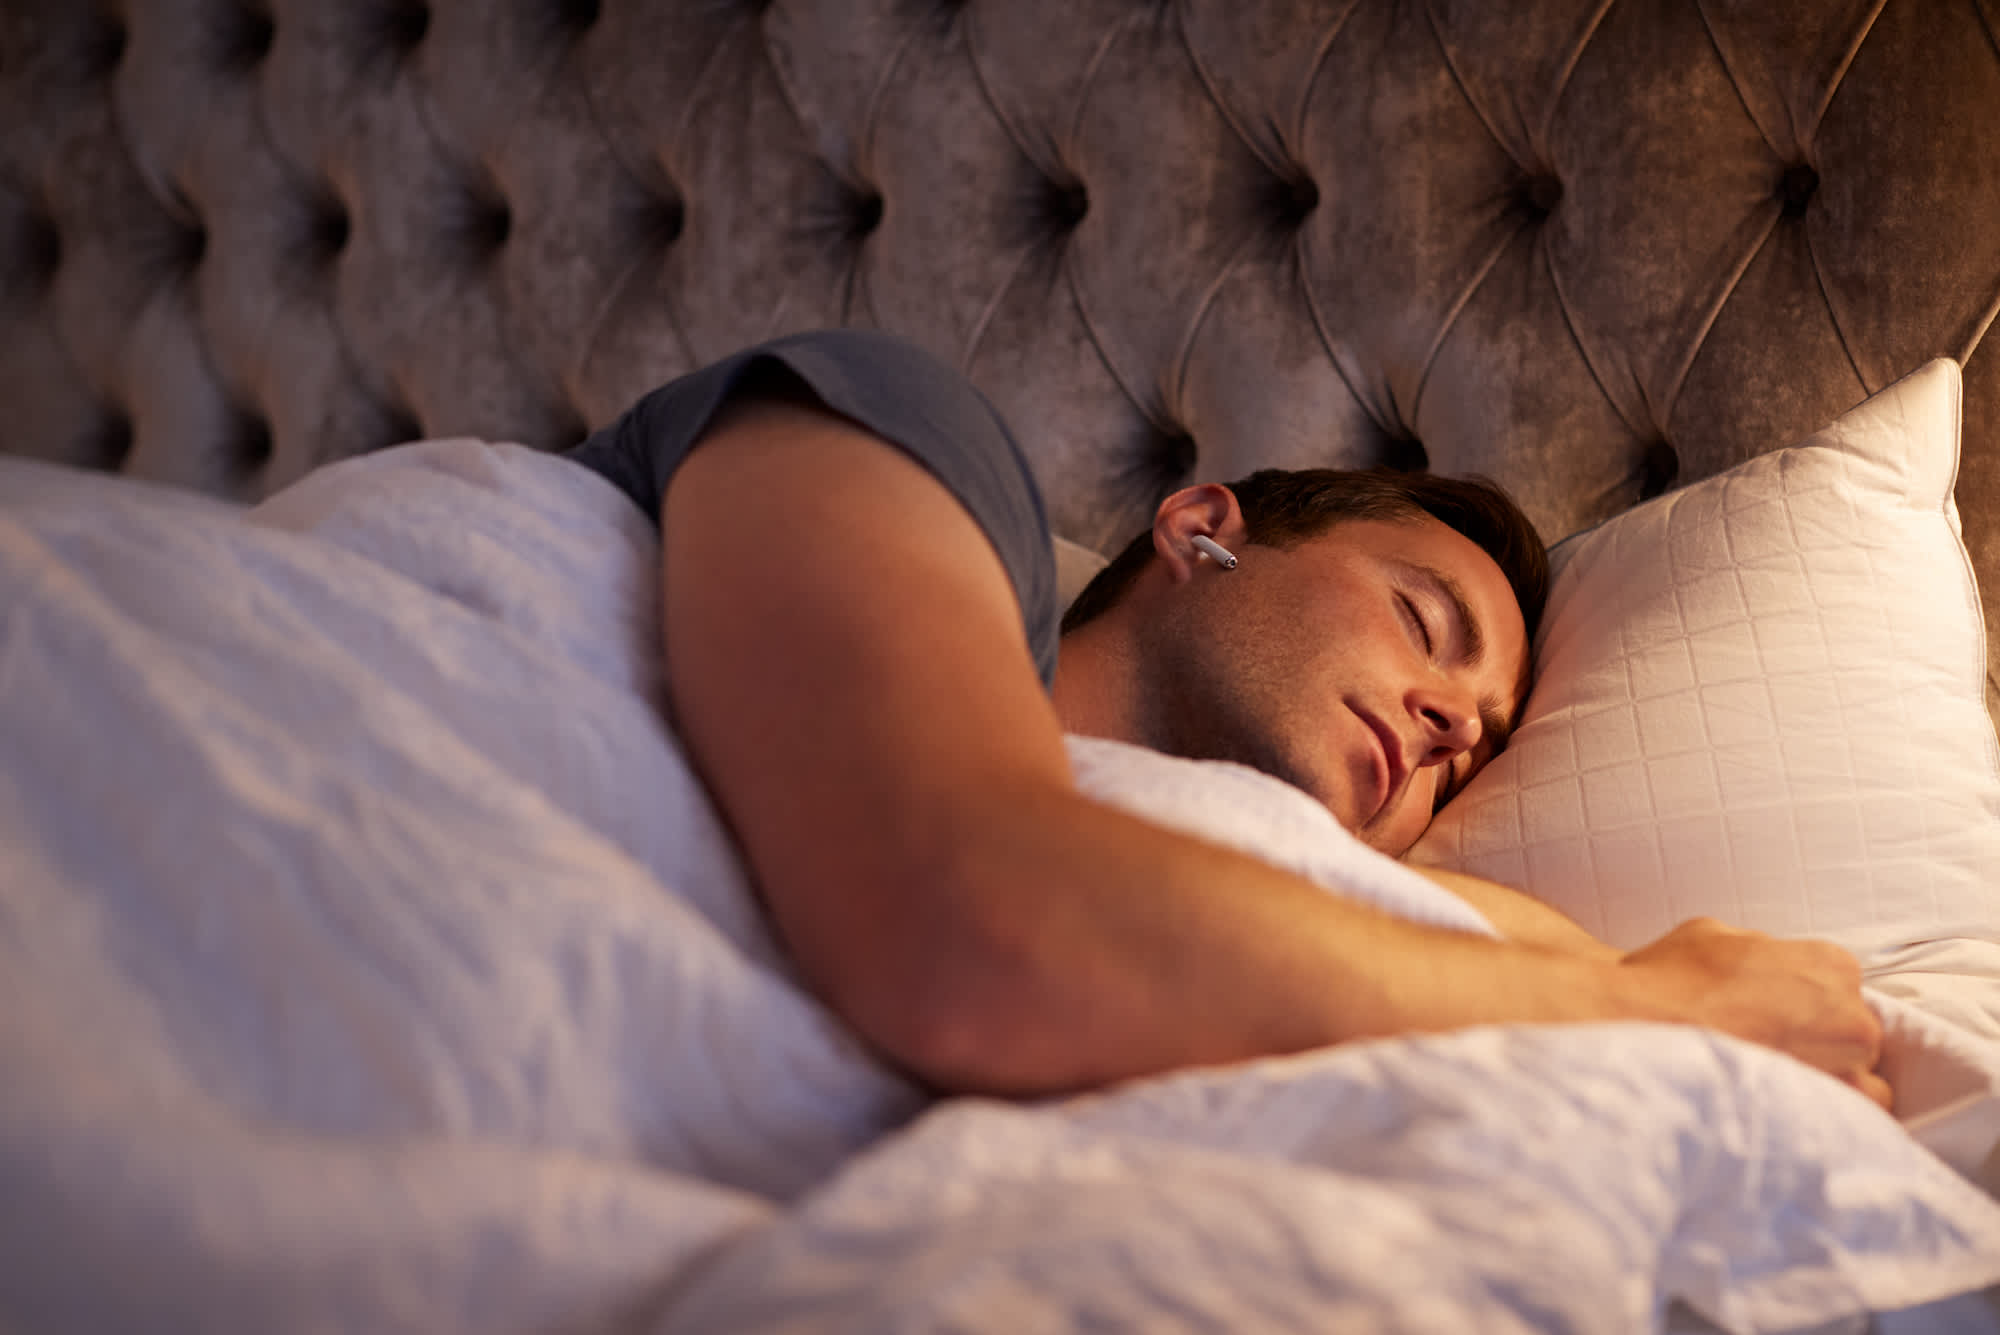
[{"x": 1376, "y": 666}]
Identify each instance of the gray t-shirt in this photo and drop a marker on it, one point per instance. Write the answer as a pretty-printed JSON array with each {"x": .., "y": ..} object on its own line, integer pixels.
[{"x": 891, "y": 388}]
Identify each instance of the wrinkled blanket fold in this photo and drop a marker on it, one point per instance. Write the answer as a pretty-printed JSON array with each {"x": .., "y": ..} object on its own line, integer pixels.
[{"x": 370, "y": 958}]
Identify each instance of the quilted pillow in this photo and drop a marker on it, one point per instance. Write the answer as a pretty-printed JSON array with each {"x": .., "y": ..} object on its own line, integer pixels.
[{"x": 1759, "y": 698}]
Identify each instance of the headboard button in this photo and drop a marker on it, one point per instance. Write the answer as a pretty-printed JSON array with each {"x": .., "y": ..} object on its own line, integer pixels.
[
  {"x": 253, "y": 442},
  {"x": 407, "y": 24},
  {"x": 1796, "y": 188},
  {"x": 1065, "y": 204},
  {"x": 248, "y": 39},
  {"x": 193, "y": 247},
  {"x": 1177, "y": 454},
  {"x": 400, "y": 426},
  {"x": 1658, "y": 467},
  {"x": 481, "y": 221},
  {"x": 114, "y": 441},
  {"x": 578, "y": 15},
  {"x": 106, "y": 49},
  {"x": 1293, "y": 198},
  {"x": 496, "y": 224},
  {"x": 1405, "y": 454},
  {"x": 865, "y": 213},
  {"x": 1539, "y": 196},
  {"x": 665, "y": 219},
  {"x": 332, "y": 229}
]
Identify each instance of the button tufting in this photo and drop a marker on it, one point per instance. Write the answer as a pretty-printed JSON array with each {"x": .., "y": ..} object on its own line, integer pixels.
[
  {"x": 1177, "y": 454},
  {"x": 578, "y": 15},
  {"x": 1796, "y": 187},
  {"x": 651, "y": 215},
  {"x": 330, "y": 229},
  {"x": 1539, "y": 196},
  {"x": 1659, "y": 465},
  {"x": 407, "y": 24},
  {"x": 864, "y": 214},
  {"x": 569, "y": 428},
  {"x": 495, "y": 225},
  {"x": 483, "y": 222},
  {"x": 106, "y": 48},
  {"x": 400, "y": 426},
  {"x": 113, "y": 445},
  {"x": 1405, "y": 454},
  {"x": 1292, "y": 198},
  {"x": 247, "y": 39},
  {"x": 253, "y": 441},
  {"x": 944, "y": 14},
  {"x": 664, "y": 219},
  {"x": 1065, "y": 204},
  {"x": 192, "y": 247}
]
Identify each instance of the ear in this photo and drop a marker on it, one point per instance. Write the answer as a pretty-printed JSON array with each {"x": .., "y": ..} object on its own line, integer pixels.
[{"x": 1209, "y": 510}]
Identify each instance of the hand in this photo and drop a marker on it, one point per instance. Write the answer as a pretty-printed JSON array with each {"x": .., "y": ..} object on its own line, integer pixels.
[{"x": 1801, "y": 997}]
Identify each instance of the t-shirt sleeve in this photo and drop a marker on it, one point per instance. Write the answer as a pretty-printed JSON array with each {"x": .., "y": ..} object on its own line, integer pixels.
[{"x": 894, "y": 390}]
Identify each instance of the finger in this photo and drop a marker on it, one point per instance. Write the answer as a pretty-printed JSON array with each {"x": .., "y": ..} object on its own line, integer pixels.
[
  {"x": 1876, "y": 1088},
  {"x": 1866, "y": 1033},
  {"x": 1838, "y": 960}
]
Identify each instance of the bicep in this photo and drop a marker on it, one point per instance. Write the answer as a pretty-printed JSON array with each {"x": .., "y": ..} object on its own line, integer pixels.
[
  {"x": 1520, "y": 917},
  {"x": 847, "y": 668}
]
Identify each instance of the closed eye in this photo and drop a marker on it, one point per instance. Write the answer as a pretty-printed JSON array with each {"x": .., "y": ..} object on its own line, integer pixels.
[{"x": 1410, "y": 611}]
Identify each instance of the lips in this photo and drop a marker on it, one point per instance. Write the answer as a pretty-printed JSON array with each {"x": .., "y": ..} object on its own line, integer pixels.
[{"x": 1396, "y": 769}]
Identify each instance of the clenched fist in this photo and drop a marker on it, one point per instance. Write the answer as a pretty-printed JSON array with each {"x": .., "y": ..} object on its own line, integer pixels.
[{"x": 1801, "y": 997}]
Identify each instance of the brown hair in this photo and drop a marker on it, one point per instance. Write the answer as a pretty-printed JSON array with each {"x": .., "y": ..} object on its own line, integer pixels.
[{"x": 1284, "y": 508}]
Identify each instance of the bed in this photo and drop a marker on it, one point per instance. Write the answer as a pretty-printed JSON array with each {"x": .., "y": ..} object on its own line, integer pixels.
[{"x": 344, "y": 985}]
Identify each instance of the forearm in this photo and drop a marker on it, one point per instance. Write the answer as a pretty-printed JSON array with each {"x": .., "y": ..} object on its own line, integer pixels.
[{"x": 1080, "y": 946}]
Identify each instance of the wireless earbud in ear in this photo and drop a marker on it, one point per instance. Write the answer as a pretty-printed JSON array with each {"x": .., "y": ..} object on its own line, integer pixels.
[{"x": 1214, "y": 550}]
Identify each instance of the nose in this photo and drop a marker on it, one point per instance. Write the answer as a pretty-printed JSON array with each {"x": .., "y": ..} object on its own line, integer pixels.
[{"x": 1447, "y": 722}]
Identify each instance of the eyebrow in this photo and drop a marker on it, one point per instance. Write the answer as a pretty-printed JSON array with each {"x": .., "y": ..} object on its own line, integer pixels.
[{"x": 1494, "y": 721}]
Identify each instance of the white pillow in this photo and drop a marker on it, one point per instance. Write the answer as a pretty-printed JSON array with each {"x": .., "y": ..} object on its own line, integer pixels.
[{"x": 1760, "y": 698}]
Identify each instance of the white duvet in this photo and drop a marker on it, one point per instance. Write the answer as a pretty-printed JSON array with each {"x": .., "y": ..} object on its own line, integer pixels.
[{"x": 369, "y": 960}]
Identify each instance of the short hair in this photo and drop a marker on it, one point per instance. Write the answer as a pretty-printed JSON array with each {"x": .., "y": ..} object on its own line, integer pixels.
[{"x": 1282, "y": 508}]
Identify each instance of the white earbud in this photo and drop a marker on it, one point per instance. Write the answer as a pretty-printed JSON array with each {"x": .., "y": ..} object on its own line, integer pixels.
[{"x": 1215, "y": 551}]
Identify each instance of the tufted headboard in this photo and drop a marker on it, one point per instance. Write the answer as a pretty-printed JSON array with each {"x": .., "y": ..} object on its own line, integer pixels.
[{"x": 1591, "y": 249}]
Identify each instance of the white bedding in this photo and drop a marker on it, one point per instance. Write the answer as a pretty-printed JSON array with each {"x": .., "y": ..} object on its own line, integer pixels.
[{"x": 370, "y": 960}]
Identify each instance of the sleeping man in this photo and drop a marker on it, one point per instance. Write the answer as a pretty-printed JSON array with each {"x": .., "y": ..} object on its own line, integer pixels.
[{"x": 862, "y": 662}]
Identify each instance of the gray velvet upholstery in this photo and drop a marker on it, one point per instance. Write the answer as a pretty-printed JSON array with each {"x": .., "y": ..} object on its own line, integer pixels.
[{"x": 1590, "y": 249}]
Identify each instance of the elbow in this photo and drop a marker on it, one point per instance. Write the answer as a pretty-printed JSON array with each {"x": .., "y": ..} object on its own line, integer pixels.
[
  {"x": 994, "y": 1058},
  {"x": 966, "y": 1001},
  {"x": 962, "y": 1048},
  {"x": 960, "y": 1019},
  {"x": 954, "y": 953}
]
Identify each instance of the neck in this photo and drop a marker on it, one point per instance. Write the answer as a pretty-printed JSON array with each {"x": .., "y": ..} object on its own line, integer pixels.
[{"x": 1094, "y": 685}]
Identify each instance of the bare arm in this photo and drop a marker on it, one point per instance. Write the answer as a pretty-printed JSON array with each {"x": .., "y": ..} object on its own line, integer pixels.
[
  {"x": 847, "y": 667},
  {"x": 1519, "y": 917}
]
